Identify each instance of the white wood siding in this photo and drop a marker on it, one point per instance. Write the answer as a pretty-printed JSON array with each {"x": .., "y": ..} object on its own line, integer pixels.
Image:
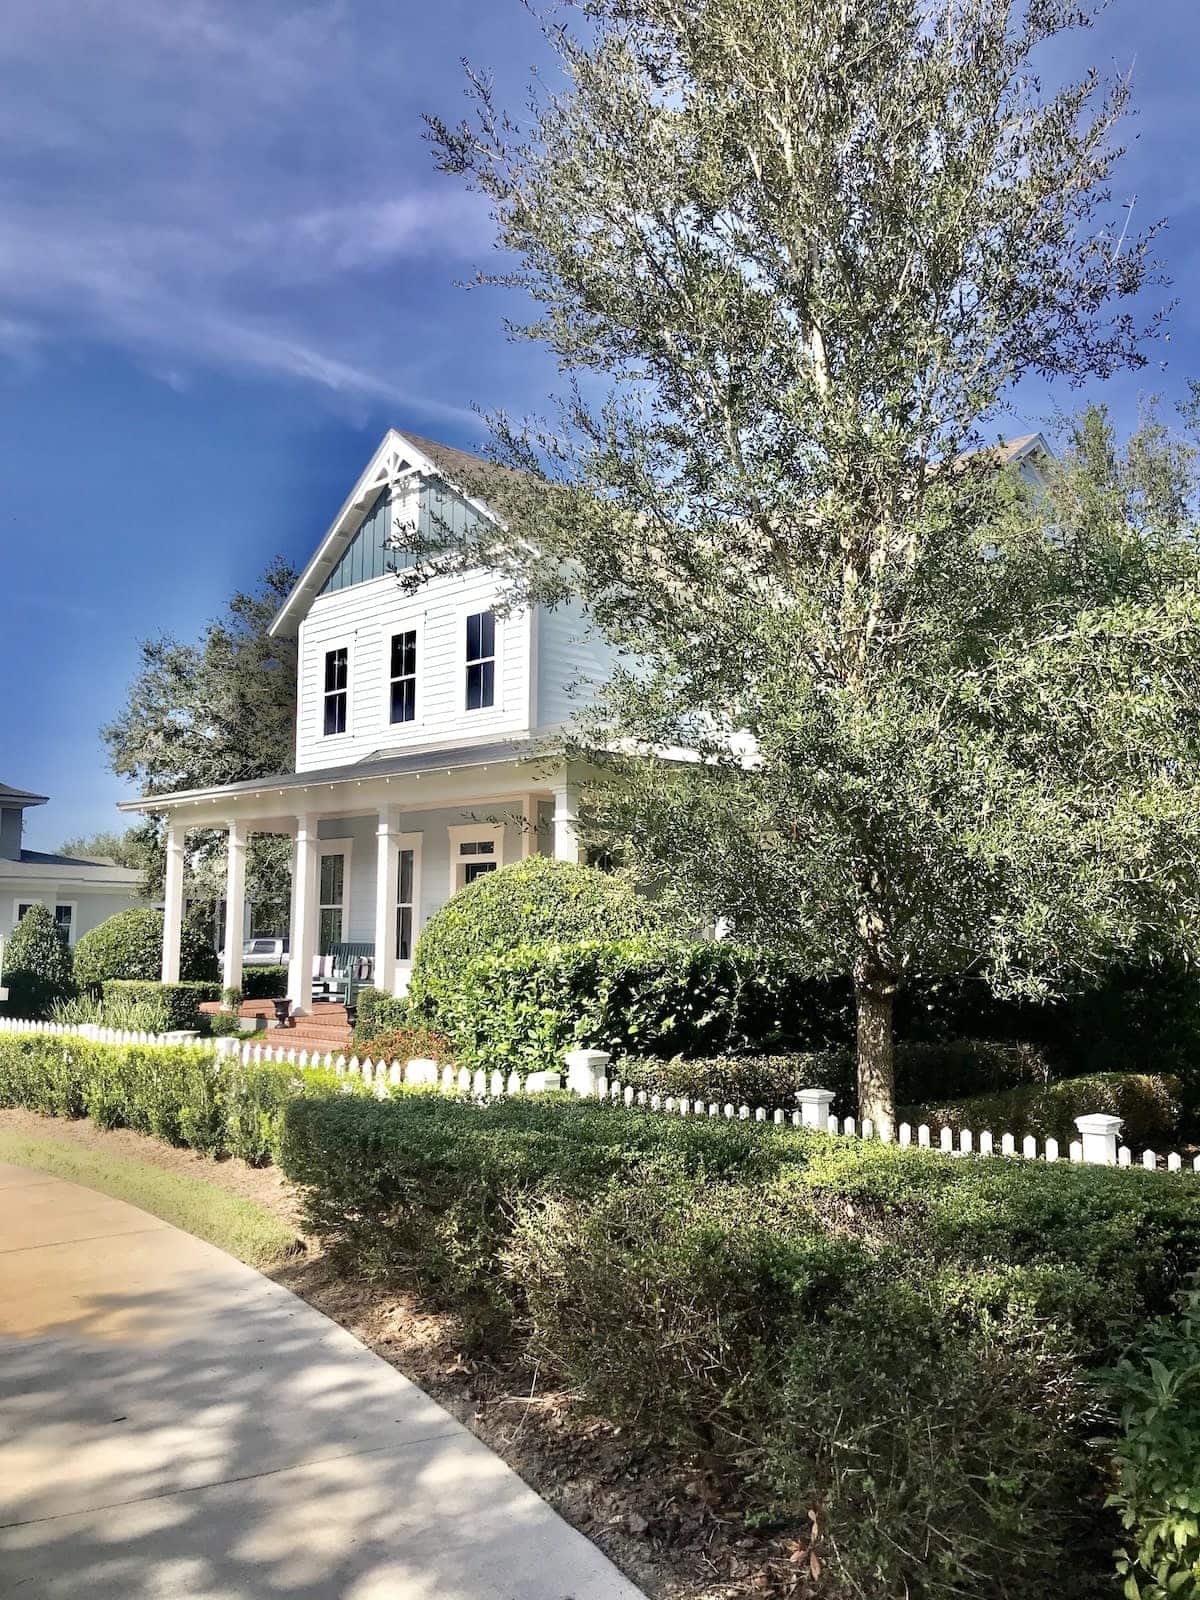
[
  {"x": 363, "y": 619},
  {"x": 572, "y": 659}
]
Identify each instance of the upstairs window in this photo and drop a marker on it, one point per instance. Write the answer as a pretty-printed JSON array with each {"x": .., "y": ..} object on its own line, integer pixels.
[
  {"x": 337, "y": 677},
  {"x": 481, "y": 661},
  {"x": 404, "y": 676}
]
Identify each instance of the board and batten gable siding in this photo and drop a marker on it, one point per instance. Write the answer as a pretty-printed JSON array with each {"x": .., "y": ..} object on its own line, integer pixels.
[{"x": 362, "y": 618}]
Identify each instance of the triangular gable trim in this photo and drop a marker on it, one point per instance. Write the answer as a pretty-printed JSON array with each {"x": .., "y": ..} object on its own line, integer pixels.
[{"x": 395, "y": 461}]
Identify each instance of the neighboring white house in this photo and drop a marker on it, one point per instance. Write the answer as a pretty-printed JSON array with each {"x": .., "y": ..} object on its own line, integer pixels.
[
  {"x": 79, "y": 893},
  {"x": 425, "y": 738}
]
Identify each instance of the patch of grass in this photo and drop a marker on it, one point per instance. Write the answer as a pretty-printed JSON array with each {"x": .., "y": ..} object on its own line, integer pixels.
[{"x": 232, "y": 1223}]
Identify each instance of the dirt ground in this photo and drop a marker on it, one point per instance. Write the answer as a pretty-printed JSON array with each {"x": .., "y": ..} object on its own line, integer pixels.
[{"x": 661, "y": 1522}]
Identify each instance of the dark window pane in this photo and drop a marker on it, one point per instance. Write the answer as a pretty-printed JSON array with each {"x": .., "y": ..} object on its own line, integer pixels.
[
  {"x": 404, "y": 654},
  {"x": 406, "y": 878},
  {"x": 333, "y": 877},
  {"x": 404, "y": 933},
  {"x": 335, "y": 669},
  {"x": 331, "y": 929},
  {"x": 335, "y": 713},
  {"x": 480, "y": 685},
  {"x": 404, "y": 700},
  {"x": 473, "y": 634},
  {"x": 476, "y": 869},
  {"x": 487, "y": 634}
]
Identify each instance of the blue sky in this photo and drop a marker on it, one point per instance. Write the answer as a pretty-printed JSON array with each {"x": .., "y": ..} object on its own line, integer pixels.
[{"x": 227, "y": 264}]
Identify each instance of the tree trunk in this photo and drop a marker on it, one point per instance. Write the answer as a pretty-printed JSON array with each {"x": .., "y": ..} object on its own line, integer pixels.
[{"x": 874, "y": 994}]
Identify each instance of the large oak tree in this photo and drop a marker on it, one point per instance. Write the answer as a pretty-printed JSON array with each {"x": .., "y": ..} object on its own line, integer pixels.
[{"x": 794, "y": 257}]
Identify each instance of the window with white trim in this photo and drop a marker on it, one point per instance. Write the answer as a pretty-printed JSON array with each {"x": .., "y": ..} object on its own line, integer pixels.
[
  {"x": 404, "y": 676},
  {"x": 337, "y": 689},
  {"x": 481, "y": 661},
  {"x": 474, "y": 852},
  {"x": 406, "y": 906},
  {"x": 64, "y": 915},
  {"x": 332, "y": 918}
]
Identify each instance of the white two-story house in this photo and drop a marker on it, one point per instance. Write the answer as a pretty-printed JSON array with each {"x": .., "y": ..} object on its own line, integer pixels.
[{"x": 425, "y": 735}]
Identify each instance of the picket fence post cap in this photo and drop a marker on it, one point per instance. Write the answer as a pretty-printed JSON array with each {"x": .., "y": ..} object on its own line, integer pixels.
[
  {"x": 815, "y": 1097},
  {"x": 588, "y": 1058},
  {"x": 1098, "y": 1122}
]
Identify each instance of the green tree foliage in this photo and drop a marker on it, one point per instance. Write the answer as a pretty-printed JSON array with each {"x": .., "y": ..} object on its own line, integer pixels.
[
  {"x": 37, "y": 964},
  {"x": 217, "y": 711},
  {"x": 129, "y": 945},
  {"x": 538, "y": 901},
  {"x": 808, "y": 250}
]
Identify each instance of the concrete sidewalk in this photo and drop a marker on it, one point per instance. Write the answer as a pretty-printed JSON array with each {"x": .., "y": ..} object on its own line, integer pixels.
[{"x": 174, "y": 1425}]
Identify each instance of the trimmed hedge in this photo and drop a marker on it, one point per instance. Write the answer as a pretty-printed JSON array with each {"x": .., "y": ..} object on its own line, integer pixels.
[
  {"x": 906, "y": 1344},
  {"x": 924, "y": 1069},
  {"x": 646, "y": 996},
  {"x": 129, "y": 945},
  {"x": 744, "y": 1080},
  {"x": 379, "y": 1012},
  {"x": 537, "y": 901},
  {"x": 179, "y": 1002},
  {"x": 175, "y": 1092},
  {"x": 1148, "y": 1105},
  {"x": 264, "y": 983}
]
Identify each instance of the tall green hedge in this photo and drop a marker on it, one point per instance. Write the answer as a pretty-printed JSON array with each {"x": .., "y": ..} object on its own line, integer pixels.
[
  {"x": 129, "y": 945},
  {"x": 906, "y": 1345},
  {"x": 37, "y": 965},
  {"x": 650, "y": 995},
  {"x": 537, "y": 901}
]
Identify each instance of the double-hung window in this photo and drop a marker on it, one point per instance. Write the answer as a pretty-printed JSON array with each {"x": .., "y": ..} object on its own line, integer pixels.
[
  {"x": 481, "y": 661},
  {"x": 337, "y": 684},
  {"x": 404, "y": 676}
]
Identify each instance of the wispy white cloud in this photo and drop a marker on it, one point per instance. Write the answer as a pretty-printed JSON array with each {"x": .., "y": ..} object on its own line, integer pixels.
[{"x": 223, "y": 185}]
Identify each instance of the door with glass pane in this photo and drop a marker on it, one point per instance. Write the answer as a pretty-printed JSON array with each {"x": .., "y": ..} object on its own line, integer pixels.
[
  {"x": 405, "y": 904},
  {"x": 332, "y": 929}
]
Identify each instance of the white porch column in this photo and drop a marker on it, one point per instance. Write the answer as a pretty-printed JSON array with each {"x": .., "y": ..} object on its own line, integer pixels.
[
  {"x": 566, "y": 820},
  {"x": 306, "y": 872},
  {"x": 235, "y": 905},
  {"x": 387, "y": 864},
  {"x": 173, "y": 903}
]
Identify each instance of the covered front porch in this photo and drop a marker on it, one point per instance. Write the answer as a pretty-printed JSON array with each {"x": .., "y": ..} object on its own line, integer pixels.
[{"x": 377, "y": 849}]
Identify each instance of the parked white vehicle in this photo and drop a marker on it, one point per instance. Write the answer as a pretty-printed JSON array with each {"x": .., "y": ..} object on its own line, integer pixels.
[{"x": 263, "y": 953}]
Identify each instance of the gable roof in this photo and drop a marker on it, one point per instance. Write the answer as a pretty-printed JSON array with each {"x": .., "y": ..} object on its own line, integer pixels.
[
  {"x": 397, "y": 458},
  {"x": 20, "y": 797}
]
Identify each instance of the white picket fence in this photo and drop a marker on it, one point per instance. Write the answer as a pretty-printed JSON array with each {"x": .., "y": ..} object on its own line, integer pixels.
[
  {"x": 588, "y": 1076},
  {"x": 97, "y": 1034}
]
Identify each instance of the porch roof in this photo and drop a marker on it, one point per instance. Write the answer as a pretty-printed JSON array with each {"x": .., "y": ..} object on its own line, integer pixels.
[{"x": 379, "y": 764}]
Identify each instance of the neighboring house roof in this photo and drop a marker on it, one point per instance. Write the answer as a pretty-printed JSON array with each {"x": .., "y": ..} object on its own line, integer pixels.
[
  {"x": 39, "y": 866},
  {"x": 379, "y": 764},
  {"x": 20, "y": 797},
  {"x": 399, "y": 456}
]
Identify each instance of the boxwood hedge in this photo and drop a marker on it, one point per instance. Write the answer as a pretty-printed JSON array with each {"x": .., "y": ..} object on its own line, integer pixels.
[{"x": 896, "y": 1350}]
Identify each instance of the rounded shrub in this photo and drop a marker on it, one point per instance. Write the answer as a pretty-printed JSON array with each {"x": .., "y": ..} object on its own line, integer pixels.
[
  {"x": 129, "y": 945},
  {"x": 37, "y": 965},
  {"x": 538, "y": 901}
]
